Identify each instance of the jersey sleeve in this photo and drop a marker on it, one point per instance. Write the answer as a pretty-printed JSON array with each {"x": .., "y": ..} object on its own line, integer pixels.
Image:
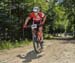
[
  {"x": 43, "y": 15},
  {"x": 30, "y": 15}
]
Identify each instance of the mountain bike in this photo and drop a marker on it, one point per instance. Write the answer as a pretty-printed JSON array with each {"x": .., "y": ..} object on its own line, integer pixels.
[{"x": 37, "y": 44}]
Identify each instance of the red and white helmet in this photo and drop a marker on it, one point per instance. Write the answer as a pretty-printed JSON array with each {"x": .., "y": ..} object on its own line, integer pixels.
[{"x": 36, "y": 9}]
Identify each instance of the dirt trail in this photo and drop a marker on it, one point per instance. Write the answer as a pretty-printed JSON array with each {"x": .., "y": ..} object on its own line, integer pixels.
[{"x": 55, "y": 51}]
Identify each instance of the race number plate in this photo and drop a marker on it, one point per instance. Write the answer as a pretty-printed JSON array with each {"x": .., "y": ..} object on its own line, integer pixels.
[{"x": 34, "y": 26}]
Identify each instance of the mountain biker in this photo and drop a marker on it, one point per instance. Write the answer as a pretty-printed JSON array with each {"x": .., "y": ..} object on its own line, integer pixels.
[{"x": 38, "y": 17}]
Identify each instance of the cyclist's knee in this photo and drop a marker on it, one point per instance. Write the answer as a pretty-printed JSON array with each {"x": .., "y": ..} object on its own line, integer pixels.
[
  {"x": 40, "y": 28},
  {"x": 39, "y": 34}
]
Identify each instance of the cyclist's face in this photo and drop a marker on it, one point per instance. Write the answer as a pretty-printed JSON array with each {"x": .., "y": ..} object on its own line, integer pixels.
[{"x": 36, "y": 13}]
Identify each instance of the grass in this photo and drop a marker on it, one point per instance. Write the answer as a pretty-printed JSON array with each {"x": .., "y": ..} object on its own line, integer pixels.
[
  {"x": 48, "y": 36},
  {"x": 8, "y": 44}
]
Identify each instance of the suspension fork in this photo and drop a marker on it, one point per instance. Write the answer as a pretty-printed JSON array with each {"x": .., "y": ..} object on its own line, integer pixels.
[{"x": 34, "y": 36}]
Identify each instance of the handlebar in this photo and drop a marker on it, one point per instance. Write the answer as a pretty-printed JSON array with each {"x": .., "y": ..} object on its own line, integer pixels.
[{"x": 33, "y": 26}]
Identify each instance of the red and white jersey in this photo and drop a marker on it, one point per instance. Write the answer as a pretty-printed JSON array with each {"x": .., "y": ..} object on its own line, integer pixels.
[{"x": 38, "y": 17}]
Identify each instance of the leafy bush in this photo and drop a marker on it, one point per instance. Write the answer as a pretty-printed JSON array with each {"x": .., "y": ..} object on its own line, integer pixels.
[
  {"x": 48, "y": 36},
  {"x": 8, "y": 44}
]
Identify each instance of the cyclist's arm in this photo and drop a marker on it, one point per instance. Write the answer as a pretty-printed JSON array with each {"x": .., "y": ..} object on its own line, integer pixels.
[
  {"x": 27, "y": 20},
  {"x": 44, "y": 19}
]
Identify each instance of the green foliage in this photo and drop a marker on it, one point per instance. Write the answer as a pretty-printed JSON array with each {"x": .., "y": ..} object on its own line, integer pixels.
[
  {"x": 69, "y": 6},
  {"x": 8, "y": 44},
  {"x": 61, "y": 20},
  {"x": 60, "y": 17},
  {"x": 48, "y": 36}
]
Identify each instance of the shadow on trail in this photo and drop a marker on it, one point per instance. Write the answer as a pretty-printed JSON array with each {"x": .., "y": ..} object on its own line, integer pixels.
[
  {"x": 62, "y": 38},
  {"x": 65, "y": 40},
  {"x": 29, "y": 56},
  {"x": 68, "y": 41}
]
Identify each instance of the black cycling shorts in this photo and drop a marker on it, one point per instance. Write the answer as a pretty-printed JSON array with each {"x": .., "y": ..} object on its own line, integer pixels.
[{"x": 38, "y": 23}]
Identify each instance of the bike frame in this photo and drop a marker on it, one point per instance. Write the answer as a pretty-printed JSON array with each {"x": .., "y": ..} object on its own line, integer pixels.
[{"x": 37, "y": 44}]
